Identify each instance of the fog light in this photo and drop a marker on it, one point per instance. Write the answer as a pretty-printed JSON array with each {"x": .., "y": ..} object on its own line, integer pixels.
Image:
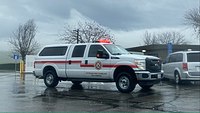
[
  {"x": 145, "y": 75},
  {"x": 154, "y": 76}
]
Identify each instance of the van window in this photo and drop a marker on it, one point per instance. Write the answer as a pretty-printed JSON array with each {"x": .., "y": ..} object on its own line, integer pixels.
[
  {"x": 193, "y": 57},
  {"x": 93, "y": 50},
  {"x": 179, "y": 57},
  {"x": 172, "y": 58},
  {"x": 53, "y": 51},
  {"x": 167, "y": 60},
  {"x": 176, "y": 57},
  {"x": 78, "y": 51}
]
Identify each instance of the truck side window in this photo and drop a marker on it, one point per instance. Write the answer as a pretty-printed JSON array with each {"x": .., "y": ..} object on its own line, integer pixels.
[
  {"x": 53, "y": 51},
  {"x": 93, "y": 50},
  {"x": 78, "y": 51}
]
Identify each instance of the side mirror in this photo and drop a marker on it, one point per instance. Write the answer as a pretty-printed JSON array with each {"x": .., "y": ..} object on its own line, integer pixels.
[{"x": 101, "y": 54}]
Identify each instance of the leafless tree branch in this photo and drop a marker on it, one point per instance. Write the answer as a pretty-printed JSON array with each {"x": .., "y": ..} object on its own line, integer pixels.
[
  {"x": 23, "y": 39},
  {"x": 192, "y": 18},
  {"x": 164, "y": 38},
  {"x": 87, "y": 32}
]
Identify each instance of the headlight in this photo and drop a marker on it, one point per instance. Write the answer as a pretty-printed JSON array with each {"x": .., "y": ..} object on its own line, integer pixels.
[{"x": 140, "y": 64}]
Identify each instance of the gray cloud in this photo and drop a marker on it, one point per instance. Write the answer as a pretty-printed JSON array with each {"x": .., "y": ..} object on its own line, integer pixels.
[
  {"x": 118, "y": 14},
  {"x": 115, "y": 14}
]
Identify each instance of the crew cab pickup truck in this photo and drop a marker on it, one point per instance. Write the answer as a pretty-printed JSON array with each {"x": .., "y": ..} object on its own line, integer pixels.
[{"x": 96, "y": 62}]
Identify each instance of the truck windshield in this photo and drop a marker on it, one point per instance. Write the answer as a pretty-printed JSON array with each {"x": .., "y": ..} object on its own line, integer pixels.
[{"x": 115, "y": 49}]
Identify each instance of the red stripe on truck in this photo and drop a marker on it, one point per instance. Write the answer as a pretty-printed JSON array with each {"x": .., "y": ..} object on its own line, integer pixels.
[
  {"x": 81, "y": 65},
  {"x": 57, "y": 62}
]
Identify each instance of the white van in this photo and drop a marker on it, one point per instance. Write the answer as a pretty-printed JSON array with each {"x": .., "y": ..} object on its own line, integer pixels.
[{"x": 183, "y": 65}]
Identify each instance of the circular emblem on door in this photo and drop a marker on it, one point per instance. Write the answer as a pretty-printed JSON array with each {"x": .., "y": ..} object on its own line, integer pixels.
[{"x": 98, "y": 65}]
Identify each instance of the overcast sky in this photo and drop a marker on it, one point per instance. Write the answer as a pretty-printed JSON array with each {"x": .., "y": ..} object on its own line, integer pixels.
[{"x": 127, "y": 19}]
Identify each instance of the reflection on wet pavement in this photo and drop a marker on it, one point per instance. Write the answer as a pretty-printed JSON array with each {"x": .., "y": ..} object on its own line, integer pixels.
[{"x": 32, "y": 95}]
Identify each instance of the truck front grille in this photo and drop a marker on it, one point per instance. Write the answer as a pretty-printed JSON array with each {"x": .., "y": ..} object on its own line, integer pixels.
[{"x": 153, "y": 65}]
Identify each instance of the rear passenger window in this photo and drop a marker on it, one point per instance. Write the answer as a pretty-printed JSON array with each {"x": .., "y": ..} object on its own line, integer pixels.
[
  {"x": 53, "y": 51},
  {"x": 193, "y": 57},
  {"x": 78, "y": 51}
]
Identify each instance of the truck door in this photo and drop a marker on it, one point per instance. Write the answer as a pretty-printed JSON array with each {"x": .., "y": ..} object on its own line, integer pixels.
[
  {"x": 76, "y": 58},
  {"x": 96, "y": 67}
]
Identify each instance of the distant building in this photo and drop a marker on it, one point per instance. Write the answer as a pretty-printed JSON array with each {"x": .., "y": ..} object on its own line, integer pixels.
[{"x": 161, "y": 50}]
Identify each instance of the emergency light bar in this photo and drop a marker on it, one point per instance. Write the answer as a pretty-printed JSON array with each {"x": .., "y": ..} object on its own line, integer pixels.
[{"x": 103, "y": 41}]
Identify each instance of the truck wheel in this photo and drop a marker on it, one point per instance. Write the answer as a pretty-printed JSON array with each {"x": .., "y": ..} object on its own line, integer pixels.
[
  {"x": 76, "y": 82},
  {"x": 177, "y": 79},
  {"x": 145, "y": 86},
  {"x": 125, "y": 82},
  {"x": 50, "y": 79}
]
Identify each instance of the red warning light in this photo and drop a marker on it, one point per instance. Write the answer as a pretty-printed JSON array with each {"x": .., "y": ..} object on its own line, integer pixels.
[{"x": 104, "y": 41}]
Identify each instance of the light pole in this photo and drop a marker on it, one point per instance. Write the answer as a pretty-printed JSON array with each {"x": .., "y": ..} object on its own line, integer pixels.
[{"x": 77, "y": 35}]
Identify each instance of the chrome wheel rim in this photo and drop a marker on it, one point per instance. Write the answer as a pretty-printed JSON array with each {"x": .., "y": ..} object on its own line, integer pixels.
[
  {"x": 49, "y": 79},
  {"x": 124, "y": 82}
]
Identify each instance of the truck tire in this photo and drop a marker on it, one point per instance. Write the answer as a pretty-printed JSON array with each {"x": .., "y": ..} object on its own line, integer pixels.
[
  {"x": 145, "y": 86},
  {"x": 50, "y": 78},
  {"x": 76, "y": 82},
  {"x": 125, "y": 82}
]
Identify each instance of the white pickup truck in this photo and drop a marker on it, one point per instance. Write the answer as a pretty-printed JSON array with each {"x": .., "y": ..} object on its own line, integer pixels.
[{"x": 96, "y": 62}]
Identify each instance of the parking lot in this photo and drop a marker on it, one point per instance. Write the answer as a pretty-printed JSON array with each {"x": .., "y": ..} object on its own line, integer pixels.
[{"x": 31, "y": 95}]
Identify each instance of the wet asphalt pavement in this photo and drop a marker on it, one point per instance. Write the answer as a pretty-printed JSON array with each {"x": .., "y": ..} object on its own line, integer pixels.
[{"x": 31, "y": 95}]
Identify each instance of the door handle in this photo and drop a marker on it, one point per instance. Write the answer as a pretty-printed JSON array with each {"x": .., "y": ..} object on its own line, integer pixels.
[
  {"x": 70, "y": 62},
  {"x": 86, "y": 61}
]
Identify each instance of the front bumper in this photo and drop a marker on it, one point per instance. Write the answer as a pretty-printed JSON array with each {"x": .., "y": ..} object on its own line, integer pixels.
[
  {"x": 147, "y": 78},
  {"x": 146, "y": 75}
]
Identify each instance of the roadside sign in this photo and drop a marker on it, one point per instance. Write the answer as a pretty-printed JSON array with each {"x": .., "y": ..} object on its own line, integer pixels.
[
  {"x": 169, "y": 48},
  {"x": 16, "y": 57}
]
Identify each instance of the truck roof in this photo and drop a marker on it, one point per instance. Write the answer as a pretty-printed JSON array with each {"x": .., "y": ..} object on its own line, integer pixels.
[{"x": 55, "y": 45}]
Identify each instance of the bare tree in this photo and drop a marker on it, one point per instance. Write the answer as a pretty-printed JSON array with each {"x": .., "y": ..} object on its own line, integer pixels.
[
  {"x": 150, "y": 39},
  {"x": 147, "y": 38},
  {"x": 164, "y": 38},
  {"x": 23, "y": 39},
  {"x": 171, "y": 37},
  {"x": 192, "y": 18},
  {"x": 86, "y": 32}
]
